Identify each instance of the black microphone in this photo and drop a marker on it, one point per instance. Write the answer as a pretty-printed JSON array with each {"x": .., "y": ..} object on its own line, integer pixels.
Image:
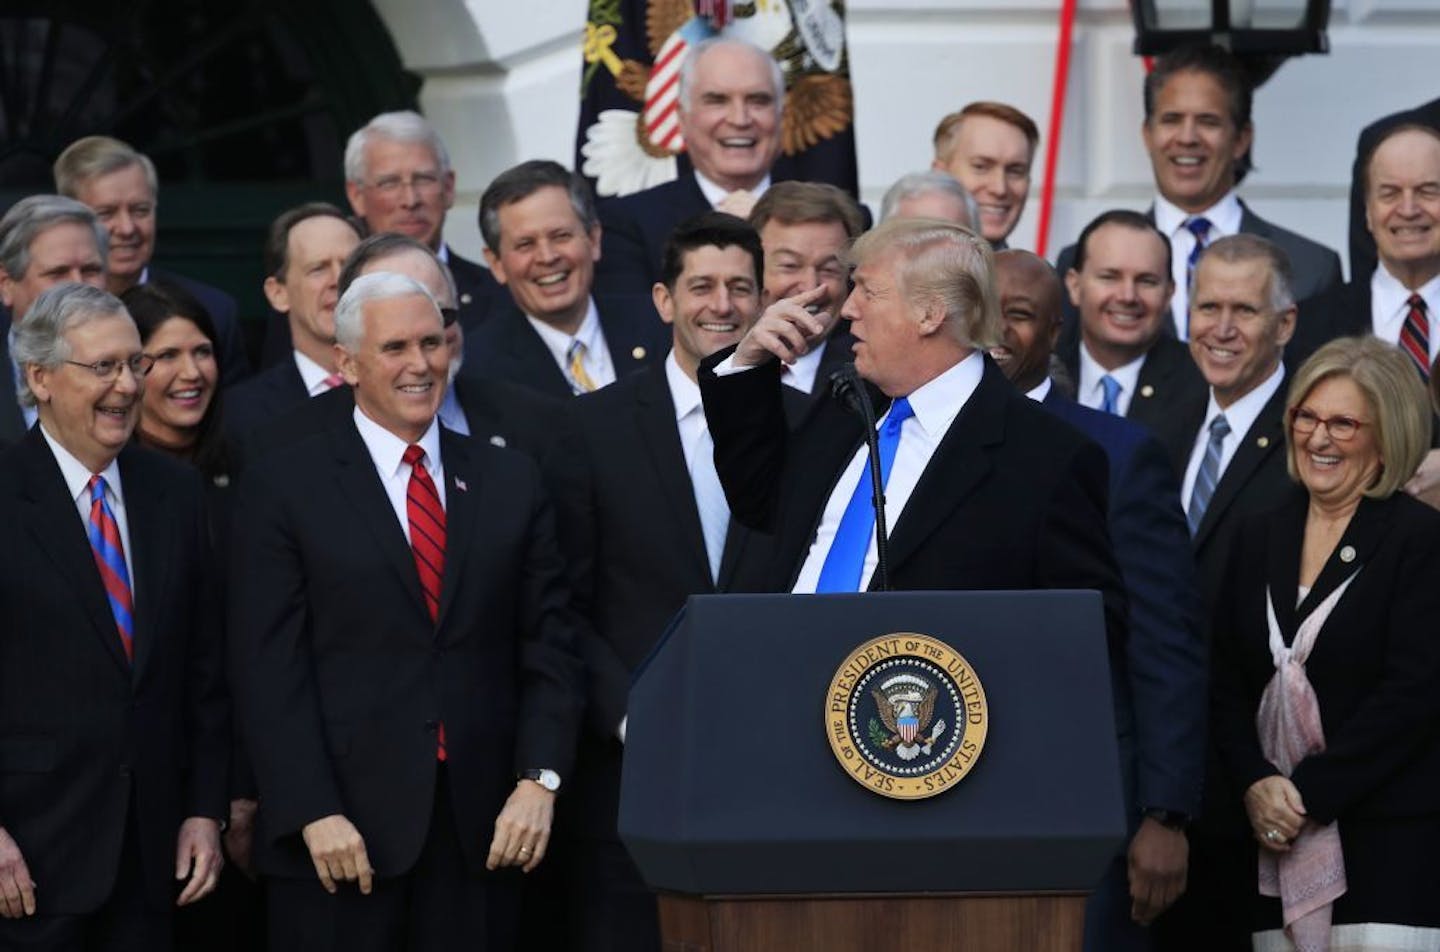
[{"x": 846, "y": 386}]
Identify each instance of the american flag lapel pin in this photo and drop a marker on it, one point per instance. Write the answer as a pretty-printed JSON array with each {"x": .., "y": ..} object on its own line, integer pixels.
[{"x": 460, "y": 485}]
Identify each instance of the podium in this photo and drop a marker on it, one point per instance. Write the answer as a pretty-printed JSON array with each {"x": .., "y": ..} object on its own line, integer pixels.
[{"x": 736, "y": 809}]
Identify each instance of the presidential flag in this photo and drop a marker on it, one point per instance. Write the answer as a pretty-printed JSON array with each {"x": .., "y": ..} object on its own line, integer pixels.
[{"x": 629, "y": 137}]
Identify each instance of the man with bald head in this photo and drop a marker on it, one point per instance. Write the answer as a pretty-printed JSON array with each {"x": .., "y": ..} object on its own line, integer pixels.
[
  {"x": 730, "y": 98},
  {"x": 1159, "y": 675}
]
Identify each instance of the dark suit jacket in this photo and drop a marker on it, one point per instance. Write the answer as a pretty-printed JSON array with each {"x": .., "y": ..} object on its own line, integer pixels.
[
  {"x": 1255, "y": 481},
  {"x": 267, "y": 396},
  {"x": 499, "y": 413},
  {"x": 476, "y": 289},
  {"x": 234, "y": 361},
  {"x": 632, "y": 536},
  {"x": 1362, "y": 243},
  {"x": 508, "y": 348},
  {"x": 1169, "y": 387},
  {"x": 635, "y": 228},
  {"x": 1374, "y": 666},
  {"x": 1316, "y": 268},
  {"x": 1342, "y": 311},
  {"x": 1160, "y": 679},
  {"x": 87, "y": 739},
  {"x": 12, "y": 421},
  {"x": 342, "y": 678},
  {"x": 1012, "y": 498}
]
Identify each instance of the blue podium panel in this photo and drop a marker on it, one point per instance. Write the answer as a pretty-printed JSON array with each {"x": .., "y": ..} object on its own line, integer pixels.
[{"x": 730, "y": 785}]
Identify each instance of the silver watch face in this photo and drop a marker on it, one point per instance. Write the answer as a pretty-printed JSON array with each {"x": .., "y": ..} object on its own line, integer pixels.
[{"x": 549, "y": 779}]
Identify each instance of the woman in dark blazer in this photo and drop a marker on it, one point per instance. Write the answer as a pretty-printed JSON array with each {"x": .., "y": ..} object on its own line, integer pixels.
[{"x": 1326, "y": 676}]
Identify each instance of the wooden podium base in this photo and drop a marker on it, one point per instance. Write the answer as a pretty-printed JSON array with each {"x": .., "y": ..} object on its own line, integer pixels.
[{"x": 1029, "y": 923}]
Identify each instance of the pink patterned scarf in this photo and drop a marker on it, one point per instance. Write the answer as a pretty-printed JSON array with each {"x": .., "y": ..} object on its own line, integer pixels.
[{"x": 1311, "y": 876}]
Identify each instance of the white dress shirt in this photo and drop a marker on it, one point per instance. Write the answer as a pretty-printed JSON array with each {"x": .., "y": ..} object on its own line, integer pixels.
[
  {"x": 77, "y": 482},
  {"x": 312, "y": 375},
  {"x": 387, "y": 451},
  {"x": 1041, "y": 391},
  {"x": 715, "y": 194},
  {"x": 801, "y": 374},
  {"x": 451, "y": 414},
  {"x": 1091, "y": 392},
  {"x": 689, "y": 411},
  {"x": 1390, "y": 305},
  {"x": 936, "y": 405},
  {"x": 597, "y": 361},
  {"x": 1241, "y": 416},
  {"x": 1224, "y": 217}
]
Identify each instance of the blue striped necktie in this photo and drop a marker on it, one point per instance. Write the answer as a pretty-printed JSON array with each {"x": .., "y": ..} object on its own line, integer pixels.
[
  {"x": 1110, "y": 402},
  {"x": 109, "y": 553},
  {"x": 1209, "y": 473},
  {"x": 845, "y": 562}
]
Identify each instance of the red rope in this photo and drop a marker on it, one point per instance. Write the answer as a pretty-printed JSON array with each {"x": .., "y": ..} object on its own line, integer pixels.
[{"x": 1057, "y": 120}]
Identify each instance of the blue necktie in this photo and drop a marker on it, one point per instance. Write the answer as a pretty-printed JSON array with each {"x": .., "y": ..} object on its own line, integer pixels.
[
  {"x": 1200, "y": 228},
  {"x": 845, "y": 562},
  {"x": 1109, "y": 404},
  {"x": 1209, "y": 473}
]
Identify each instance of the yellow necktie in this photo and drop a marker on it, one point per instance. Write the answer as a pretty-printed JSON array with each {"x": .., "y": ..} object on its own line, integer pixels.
[{"x": 579, "y": 380}]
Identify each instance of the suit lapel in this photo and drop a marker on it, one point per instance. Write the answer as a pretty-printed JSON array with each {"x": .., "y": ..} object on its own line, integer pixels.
[
  {"x": 360, "y": 486},
  {"x": 630, "y": 346},
  {"x": 1286, "y": 536},
  {"x": 655, "y": 417},
  {"x": 56, "y": 530},
  {"x": 152, "y": 531},
  {"x": 1266, "y": 436},
  {"x": 1360, "y": 540},
  {"x": 960, "y": 463},
  {"x": 534, "y": 364},
  {"x": 12, "y": 420},
  {"x": 466, "y": 482}
]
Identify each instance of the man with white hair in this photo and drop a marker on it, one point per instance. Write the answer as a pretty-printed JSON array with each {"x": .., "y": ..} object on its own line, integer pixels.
[
  {"x": 972, "y": 458},
  {"x": 402, "y": 652},
  {"x": 930, "y": 195},
  {"x": 398, "y": 178},
  {"x": 729, "y": 103},
  {"x": 45, "y": 240},
  {"x": 114, "y": 727}
]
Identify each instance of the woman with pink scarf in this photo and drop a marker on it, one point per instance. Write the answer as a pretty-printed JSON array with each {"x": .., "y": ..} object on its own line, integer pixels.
[{"x": 1326, "y": 675}]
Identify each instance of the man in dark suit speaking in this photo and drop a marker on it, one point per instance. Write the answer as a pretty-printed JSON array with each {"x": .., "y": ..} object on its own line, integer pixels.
[
  {"x": 402, "y": 642},
  {"x": 114, "y": 734},
  {"x": 983, "y": 489}
]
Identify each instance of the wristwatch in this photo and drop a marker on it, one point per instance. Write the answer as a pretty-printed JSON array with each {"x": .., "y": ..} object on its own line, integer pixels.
[
  {"x": 548, "y": 779},
  {"x": 1170, "y": 819}
]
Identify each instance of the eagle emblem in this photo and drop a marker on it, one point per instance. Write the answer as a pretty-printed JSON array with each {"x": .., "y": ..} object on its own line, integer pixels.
[{"x": 906, "y": 705}]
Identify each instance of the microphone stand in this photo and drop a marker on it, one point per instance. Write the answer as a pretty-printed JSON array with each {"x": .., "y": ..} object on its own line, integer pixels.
[{"x": 845, "y": 386}]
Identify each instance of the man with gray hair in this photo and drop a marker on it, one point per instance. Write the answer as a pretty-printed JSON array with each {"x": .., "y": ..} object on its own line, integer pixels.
[
  {"x": 121, "y": 186},
  {"x": 45, "y": 240},
  {"x": 972, "y": 458},
  {"x": 554, "y": 334},
  {"x": 402, "y": 653},
  {"x": 930, "y": 194},
  {"x": 113, "y": 712},
  {"x": 398, "y": 178},
  {"x": 730, "y": 97}
]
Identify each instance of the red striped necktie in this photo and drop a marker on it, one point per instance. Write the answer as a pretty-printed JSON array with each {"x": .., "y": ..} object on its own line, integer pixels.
[
  {"x": 109, "y": 553},
  {"x": 427, "y": 539},
  {"x": 1415, "y": 336}
]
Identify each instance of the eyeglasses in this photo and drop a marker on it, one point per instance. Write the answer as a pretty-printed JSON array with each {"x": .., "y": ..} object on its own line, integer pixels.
[
  {"x": 449, "y": 315},
  {"x": 139, "y": 365},
  {"x": 1342, "y": 429},
  {"x": 424, "y": 183}
]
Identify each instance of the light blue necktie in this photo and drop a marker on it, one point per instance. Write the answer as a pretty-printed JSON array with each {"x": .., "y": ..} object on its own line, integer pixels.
[
  {"x": 1209, "y": 474},
  {"x": 710, "y": 502},
  {"x": 1109, "y": 404},
  {"x": 845, "y": 563}
]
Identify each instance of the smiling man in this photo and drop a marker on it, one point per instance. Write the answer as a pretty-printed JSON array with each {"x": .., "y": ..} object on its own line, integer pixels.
[
  {"x": 646, "y": 527},
  {"x": 989, "y": 148},
  {"x": 122, "y": 187},
  {"x": 542, "y": 241},
  {"x": 730, "y": 98},
  {"x": 404, "y": 581},
  {"x": 805, "y": 229},
  {"x": 1123, "y": 363},
  {"x": 1230, "y": 456},
  {"x": 111, "y": 641}
]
